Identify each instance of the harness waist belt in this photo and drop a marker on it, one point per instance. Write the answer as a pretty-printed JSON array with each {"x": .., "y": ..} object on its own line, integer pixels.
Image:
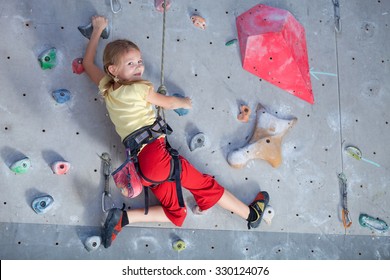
[{"x": 145, "y": 135}]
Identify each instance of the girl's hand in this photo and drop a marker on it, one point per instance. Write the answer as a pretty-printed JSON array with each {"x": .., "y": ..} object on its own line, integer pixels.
[
  {"x": 168, "y": 102},
  {"x": 187, "y": 103},
  {"x": 99, "y": 23}
]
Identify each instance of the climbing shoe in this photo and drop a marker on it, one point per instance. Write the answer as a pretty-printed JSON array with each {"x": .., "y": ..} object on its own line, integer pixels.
[
  {"x": 257, "y": 208},
  {"x": 112, "y": 226}
]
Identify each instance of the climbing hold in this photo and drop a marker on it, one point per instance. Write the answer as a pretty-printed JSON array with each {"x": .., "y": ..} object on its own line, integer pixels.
[
  {"x": 42, "y": 204},
  {"x": 180, "y": 111},
  {"x": 77, "y": 65},
  {"x": 273, "y": 47},
  {"x": 231, "y": 42},
  {"x": 61, "y": 95},
  {"x": 265, "y": 142},
  {"x": 199, "y": 22},
  {"x": 159, "y": 5},
  {"x": 21, "y": 166},
  {"x": 244, "y": 114},
  {"x": 357, "y": 154},
  {"x": 87, "y": 31},
  {"x": 48, "y": 59},
  {"x": 179, "y": 245},
  {"x": 60, "y": 167},
  {"x": 373, "y": 223},
  {"x": 269, "y": 213},
  {"x": 197, "y": 141},
  {"x": 92, "y": 243}
]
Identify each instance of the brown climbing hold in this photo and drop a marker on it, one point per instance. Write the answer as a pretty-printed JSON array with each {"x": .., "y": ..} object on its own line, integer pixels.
[
  {"x": 265, "y": 142},
  {"x": 199, "y": 22},
  {"x": 244, "y": 114}
]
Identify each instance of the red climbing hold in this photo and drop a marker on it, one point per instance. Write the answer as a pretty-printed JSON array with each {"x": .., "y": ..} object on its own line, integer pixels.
[
  {"x": 273, "y": 47},
  {"x": 60, "y": 167},
  {"x": 159, "y": 5},
  {"x": 77, "y": 65}
]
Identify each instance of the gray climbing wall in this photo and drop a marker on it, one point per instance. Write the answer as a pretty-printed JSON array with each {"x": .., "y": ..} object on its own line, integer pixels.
[{"x": 349, "y": 109}]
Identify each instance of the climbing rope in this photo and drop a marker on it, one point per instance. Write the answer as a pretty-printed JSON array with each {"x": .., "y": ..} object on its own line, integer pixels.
[{"x": 162, "y": 89}]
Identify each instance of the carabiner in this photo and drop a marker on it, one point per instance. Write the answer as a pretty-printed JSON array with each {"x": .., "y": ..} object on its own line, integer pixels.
[
  {"x": 115, "y": 4},
  {"x": 105, "y": 197}
]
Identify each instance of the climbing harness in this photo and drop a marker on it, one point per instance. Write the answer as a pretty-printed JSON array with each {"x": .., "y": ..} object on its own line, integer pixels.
[
  {"x": 347, "y": 222},
  {"x": 116, "y": 6},
  {"x": 146, "y": 135},
  {"x": 107, "y": 201}
]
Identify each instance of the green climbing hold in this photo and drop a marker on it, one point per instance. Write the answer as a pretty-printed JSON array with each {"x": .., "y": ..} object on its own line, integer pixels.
[
  {"x": 373, "y": 223},
  {"x": 48, "y": 59},
  {"x": 179, "y": 245},
  {"x": 21, "y": 166},
  {"x": 231, "y": 42}
]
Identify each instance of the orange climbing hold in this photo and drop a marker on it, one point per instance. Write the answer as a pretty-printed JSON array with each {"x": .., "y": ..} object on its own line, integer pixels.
[
  {"x": 244, "y": 114},
  {"x": 273, "y": 47},
  {"x": 199, "y": 22}
]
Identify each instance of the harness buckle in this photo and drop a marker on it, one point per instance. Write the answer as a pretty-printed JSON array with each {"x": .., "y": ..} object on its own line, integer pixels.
[{"x": 173, "y": 152}]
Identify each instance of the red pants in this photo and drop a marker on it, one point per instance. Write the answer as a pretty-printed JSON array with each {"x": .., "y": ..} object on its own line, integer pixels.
[{"x": 155, "y": 164}]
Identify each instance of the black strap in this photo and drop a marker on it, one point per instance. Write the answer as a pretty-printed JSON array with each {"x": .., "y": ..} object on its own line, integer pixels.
[
  {"x": 146, "y": 192},
  {"x": 177, "y": 172}
]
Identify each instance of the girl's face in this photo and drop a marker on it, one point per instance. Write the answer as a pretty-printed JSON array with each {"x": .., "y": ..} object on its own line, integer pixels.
[{"x": 130, "y": 67}]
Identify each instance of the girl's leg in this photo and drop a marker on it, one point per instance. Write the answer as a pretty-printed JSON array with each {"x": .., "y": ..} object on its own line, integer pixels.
[
  {"x": 229, "y": 202},
  {"x": 117, "y": 219},
  {"x": 155, "y": 214}
]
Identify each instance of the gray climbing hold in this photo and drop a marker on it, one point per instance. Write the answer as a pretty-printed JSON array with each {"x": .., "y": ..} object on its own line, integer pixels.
[
  {"x": 87, "y": 31},
  {"x": 42, "y": 204},
  {"x": 197, "y": 141},
  {"x": 92, "y": 243}
]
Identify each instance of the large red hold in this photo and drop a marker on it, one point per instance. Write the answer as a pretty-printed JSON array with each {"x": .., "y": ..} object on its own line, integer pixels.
[{"x": 273, "y": 47}]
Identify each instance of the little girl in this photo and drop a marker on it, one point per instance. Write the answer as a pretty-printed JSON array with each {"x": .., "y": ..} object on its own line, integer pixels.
[{"x": 129, "y": 100}]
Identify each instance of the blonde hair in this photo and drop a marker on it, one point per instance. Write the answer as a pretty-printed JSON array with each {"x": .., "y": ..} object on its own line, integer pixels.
[{"x": 111, "y": 56}]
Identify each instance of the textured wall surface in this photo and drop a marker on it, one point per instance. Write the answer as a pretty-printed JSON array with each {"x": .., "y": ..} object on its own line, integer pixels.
[{"x": 351, "y": 92}]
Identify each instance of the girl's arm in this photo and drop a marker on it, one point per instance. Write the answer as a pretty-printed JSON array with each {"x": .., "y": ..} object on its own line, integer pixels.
[
  {"x": 168, "y": 102},
  {"x": 93, "y": 71}
]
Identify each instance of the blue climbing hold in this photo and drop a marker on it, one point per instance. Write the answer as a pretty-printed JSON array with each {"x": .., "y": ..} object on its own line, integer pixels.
[
  {"x": 42, "y": 204},
  {"x": 180, "y": 111},
  {"x": 373, "y": 223},
  {"x": 61, "y": 95}
]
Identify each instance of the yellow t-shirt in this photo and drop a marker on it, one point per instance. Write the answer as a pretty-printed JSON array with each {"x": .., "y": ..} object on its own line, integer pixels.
[{"x": 128, "y": 108}]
